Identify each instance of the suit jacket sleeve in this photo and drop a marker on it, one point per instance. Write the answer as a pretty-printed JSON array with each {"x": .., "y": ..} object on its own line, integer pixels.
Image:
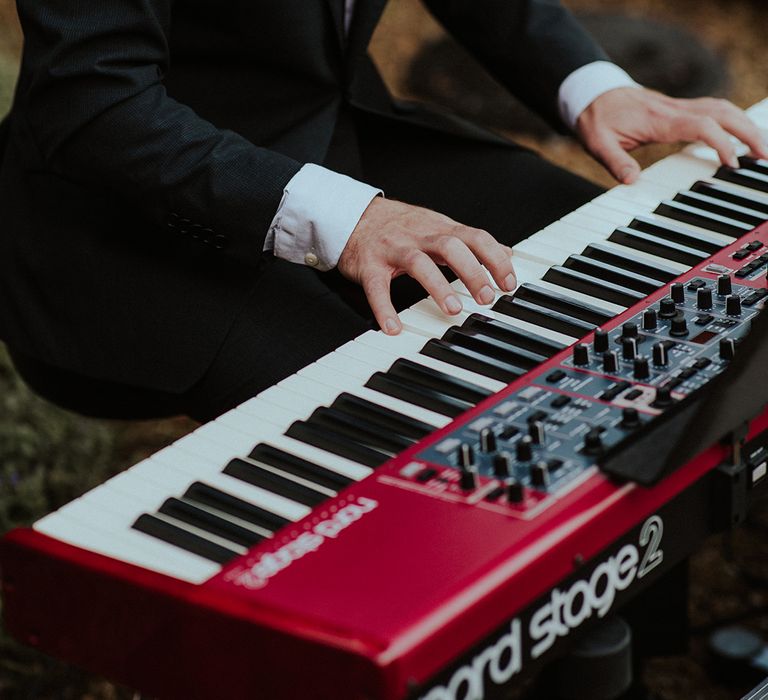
[
  {"x": 98, "y": 112},
  {"x": 530, "y": 46}
]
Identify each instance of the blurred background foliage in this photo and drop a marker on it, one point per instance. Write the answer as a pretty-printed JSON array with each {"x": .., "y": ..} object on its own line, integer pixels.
[{"x": 49, "y": 456}]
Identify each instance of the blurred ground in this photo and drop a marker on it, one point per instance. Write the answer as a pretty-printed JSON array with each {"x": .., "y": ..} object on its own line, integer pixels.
[{"x": 48, "y": 457}]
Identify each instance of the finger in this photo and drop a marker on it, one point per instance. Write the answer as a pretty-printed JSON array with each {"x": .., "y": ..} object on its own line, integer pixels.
[
  {"x": 376, "y": 287},
  {"x": 706, "y": 129},
  {"x": 607, "y": 149},
  {"x": 736, "y": 122},
  {"x": 424, "y": 270},
  {"x": 451, "y": 250},
  {"x": 496, "y": 257}
]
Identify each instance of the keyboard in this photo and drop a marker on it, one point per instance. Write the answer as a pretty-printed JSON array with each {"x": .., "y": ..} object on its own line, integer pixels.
[{"x": 423, "y": 515}]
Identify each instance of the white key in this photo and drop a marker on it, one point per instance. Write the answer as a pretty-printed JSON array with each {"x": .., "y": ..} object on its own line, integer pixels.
[
  {"x": 130, "y": 546},
  {"x": 596, "y": 212},
  {"x": 679, "y": 171},
  {"x": 407, "y": 345},
  {"x": 279, "y": 415},
  {"x": 539, "y": 252}
]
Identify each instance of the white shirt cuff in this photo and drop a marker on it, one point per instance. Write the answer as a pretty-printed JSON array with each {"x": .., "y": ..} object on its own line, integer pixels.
[
  {"x": 319, "y": 210},
  {"x": 585, "y": 85}
]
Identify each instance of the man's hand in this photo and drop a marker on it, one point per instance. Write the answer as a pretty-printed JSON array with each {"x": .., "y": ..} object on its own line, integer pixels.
[
  {"x": 393, "y": 238},
  {"x": 622, "y": 119}
]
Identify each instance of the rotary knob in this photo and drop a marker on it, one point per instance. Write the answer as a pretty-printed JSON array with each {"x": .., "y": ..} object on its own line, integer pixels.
[
  {"x": 704, "y": 299},
  {"x": 663, "y": 397},
  {"x": 515, "y": 491},
  {"x": 581, "y": 354},
  {"x": 727, "y": 349},
  {"x": 540, "y": 475},
  {"x": 641, "y": 369},
  {"x": 629, "y": 348},
  {"x": 724, "y": 285},
  {"x": 501, "y": 464},
  {"x": 536, "y": 432},
  {"x": 660, "y": 354},
  {"x": 667, "y": 308},
  {"x": 733, "y": 305},
  {"x": 650, "y": 319},
  {"x": 593, "y": 442},
  {"x": 487, "y": 440},
  {"x": 600, "y": 341},
  {"x": 524, "y": 449},
  {"x": 677, "y": 292},
  {"x": 679, "y": 326},
  {"x": 629, "y": 330},
  {"x": 611, "y": 362},
  {"x": 465, "y": 455},
  {"x": 468, "y": 479},
  {"x": 630, "y": 418}
]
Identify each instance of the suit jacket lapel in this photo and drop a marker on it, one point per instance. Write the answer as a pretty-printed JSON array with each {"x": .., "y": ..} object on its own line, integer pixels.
[{"x": 364, "y": 20}]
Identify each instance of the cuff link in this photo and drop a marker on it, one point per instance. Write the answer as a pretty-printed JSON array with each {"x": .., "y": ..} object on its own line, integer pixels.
[{"x": 311, "y": 259}]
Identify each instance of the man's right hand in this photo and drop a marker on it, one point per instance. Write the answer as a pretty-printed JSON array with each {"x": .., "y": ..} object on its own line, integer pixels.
[{"x": 393, "y": 238}]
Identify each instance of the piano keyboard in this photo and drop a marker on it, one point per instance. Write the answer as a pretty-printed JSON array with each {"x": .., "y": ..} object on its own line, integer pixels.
[{"x": 203, "y": 501}]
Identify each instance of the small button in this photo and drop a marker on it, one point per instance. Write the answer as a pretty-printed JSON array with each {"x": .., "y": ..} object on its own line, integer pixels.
[
  {"x": 696, "y": 284},
  {"x": 426, "y": 475},
  {"x": 687, "y": 373},
  {"x": 560, "y": 401},
  {"x": 311, "y": 259},
  {"x": 634, "y": 394},
  {"x": 702, "y": 363},
  {"x": 555, "y": 376},
  {"x": 703, "y": 319},
  {"x": 740, "y": 254},
  {"x": 754, "y": 245}
]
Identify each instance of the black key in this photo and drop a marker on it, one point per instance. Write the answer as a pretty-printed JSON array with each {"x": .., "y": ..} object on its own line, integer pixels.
[
  {"x": 493, "y": 328},
  {"x": 236, "y": 507},
  {"x": 417, "y": 394},
  {"x": 611, "y": 273},
  {"x": 178, "y": 536},
  {"x": 360, "y": 430},
  {"x": 333, "y": 441},
  {"x": 211, "y": 522},
  {"x": 300, "y": 467},
  {"x": 705, "y": 219},
  {"x": 267, "y": 477},
  {"x": 541, "y": 316},
  {"x": 382, "y": 416},
  {"x": 560, "y": 302},
  {"x": 759, "y": 165},
  {"x": 745, "y": 177},
  {"x": 594, "y": 286},
  {"x": 471, "y": 360},
  {"x": 698, "y": 240},
  {"x": 718, "y": 206},
  {"x": 434, "y": 379},
  {"x": 630, "y": 261},
  {"x": 728, "y": 194},
  {"x": 639, "y": 240},
  {"x": 492, "y": 347}
]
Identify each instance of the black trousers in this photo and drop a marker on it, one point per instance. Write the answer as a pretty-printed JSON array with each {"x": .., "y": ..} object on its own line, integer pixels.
[{"x": 295, "y": 314}]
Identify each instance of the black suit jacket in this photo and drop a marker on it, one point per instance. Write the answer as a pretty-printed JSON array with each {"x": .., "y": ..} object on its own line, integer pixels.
[{"x": 150, "y": 141}]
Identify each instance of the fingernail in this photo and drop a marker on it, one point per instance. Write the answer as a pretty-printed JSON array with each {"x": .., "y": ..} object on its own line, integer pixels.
[
  {"x": 486, "y": 295},
  {"x": 391, "y": 327},
  {"x": 627, "y": 175},
  {"x": 733, "y": 162},
  {"x": 510, "y": 282},
  {"x": 452, "y": 304}
]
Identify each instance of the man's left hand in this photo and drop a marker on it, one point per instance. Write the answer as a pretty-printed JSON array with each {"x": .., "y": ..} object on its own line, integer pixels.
[{"x": 625, "y": 118}]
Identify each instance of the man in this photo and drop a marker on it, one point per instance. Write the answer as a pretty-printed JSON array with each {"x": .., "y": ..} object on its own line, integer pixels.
[{"x": 170, "y": 243}]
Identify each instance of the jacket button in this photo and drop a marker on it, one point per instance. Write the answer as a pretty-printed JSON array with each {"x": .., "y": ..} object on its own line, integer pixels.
[
  {"x": 311, "y": 259},
  {"x": 220, "y": 241}
]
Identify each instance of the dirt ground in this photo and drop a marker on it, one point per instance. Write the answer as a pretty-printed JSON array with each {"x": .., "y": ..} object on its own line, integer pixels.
[{"x": 729, "y": 575}]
